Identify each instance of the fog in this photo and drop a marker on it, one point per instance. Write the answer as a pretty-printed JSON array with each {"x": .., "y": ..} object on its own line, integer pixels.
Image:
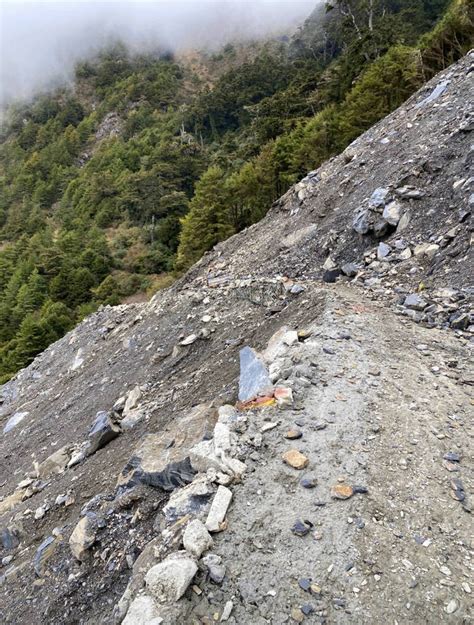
[{"x": 41, "y": 41}]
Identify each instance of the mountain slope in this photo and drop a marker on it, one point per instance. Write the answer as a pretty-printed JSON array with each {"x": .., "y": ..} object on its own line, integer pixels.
[{"x": 382, "y": 404}]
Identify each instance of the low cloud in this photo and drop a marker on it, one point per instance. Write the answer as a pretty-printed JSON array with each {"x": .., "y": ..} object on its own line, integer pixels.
[{"x": 41, "y": 41}]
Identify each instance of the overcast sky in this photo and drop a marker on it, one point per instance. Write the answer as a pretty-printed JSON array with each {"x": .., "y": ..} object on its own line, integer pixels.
[{"x": 40, "y": 41}]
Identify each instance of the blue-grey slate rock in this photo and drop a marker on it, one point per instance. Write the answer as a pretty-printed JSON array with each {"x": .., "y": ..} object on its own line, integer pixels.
[
  {"x": 254, "y": 379},
  {"x": 103, "y": 430}
]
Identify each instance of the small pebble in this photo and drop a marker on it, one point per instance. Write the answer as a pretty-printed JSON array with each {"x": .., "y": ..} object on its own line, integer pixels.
[
  {"x": 293, "y": 434},
  {"x": 301, "y": 528},
  {"x": 308, "y": 481},
  {"x": 452, "y": 456}
]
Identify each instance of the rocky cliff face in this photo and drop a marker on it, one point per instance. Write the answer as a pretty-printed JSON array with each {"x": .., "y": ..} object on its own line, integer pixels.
[{"x": 283, "y": 435}]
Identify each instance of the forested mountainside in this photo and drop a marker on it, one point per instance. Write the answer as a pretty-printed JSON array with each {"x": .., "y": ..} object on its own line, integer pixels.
[{"x": 119, "y": 182}]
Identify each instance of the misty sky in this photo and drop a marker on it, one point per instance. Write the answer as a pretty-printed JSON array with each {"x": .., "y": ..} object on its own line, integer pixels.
[{"x": 41, "y": 41}]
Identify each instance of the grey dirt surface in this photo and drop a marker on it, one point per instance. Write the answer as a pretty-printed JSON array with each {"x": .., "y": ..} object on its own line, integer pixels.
[{"x": 381, "y": 377}]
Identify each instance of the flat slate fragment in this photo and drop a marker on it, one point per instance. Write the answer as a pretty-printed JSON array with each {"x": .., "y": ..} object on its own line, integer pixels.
[{"x": 254, "y": 379}]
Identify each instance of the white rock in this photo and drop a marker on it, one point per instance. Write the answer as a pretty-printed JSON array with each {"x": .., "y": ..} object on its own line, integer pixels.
[
  {"x": 143, "y": 611},
  {"x": 405, "y": 254},
  {"x": 452, "y": 606},
  {"x": 226, "y": 612},
  {"x": 132, "y": 400},
  {"x": 227, "y": 414},
  {"x": 196, "y": 538},
  {"x": 218, "y": 509},
  {"x": 78, "y": 360},
  {"x": 169, "y": 580},
  {"x": 291, "y": 337},
  {"x": 14, "y": 421},
  {"x": 392, "y": 213},
  {"x": 428, "y": 250},
  {"x": 203, "y": 457},
  {"x": 189, "y": 340},
  {"x": 221, "y": 437},
  {"x": 329, "y": 263}
]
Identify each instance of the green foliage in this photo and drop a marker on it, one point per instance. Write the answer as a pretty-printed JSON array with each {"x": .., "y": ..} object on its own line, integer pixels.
[
  {"x": 108, "y": 188},
  {"x": 207, "y": 221}
]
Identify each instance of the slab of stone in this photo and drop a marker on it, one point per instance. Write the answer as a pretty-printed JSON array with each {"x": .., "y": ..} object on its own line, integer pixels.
[
  {"x": 169, "y": 580},
  {"x": 218, "y": 511},
  {"x": 254, "y": 379},
  {"x": 43, "y": 553},
  {"x": 196, "y": 538},
  {"x": 415, "y": 302}
]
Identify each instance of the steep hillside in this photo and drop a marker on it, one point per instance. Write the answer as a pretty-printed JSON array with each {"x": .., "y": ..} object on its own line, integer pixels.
[
  {"x": 345, "y": 444},
  {"x": 112, "y": 187}
]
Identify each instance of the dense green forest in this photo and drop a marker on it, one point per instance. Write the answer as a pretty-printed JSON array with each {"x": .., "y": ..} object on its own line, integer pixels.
[{"x": 118, "y": 184}]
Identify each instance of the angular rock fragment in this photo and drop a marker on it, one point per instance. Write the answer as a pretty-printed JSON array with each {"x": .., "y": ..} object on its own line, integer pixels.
[
  {"x": 283, "y": 396},
  {"x": 143, "y": 611},
  {"x": 133, "y": 398},
  {"x": 169, "y": 580},
  {"x": 215, "y": 567},
  {"x": 43, "y": 553},
  {"x": 383, "y": 250},
  {"x": 254, "y": 379},
  {"x": 103, "y": 430},
  {"x": 361, "y": 223},
  {"x": 350, "y": 269},
  {"x": 379, "y": 197},
  {"x": 295, "y": 459},
  {"x": 415, "y": 302},
  {"x": 84, "y": 535},
  {"x": 218, "y": 510},
  {"x": 55, "y": 463},
  {"x": 301, "y": 528},
  {"x": 196, "y": 538},
  {"x": 193, "y": 500},
  {"x": 392, "y": 213}
]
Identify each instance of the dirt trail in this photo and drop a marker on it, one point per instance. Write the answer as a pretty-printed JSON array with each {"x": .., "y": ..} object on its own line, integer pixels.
[{"x": 374, "y": 415}]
